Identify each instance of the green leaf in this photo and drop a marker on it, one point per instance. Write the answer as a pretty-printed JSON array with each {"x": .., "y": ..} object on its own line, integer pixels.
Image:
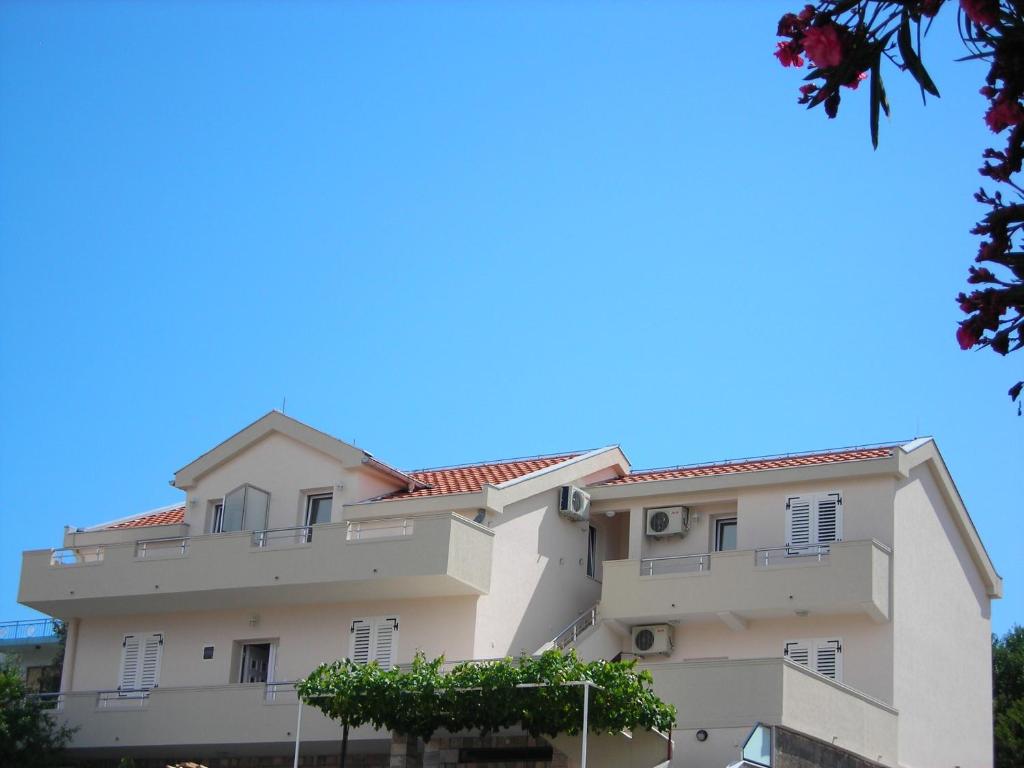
[{"x": 911, "y": 59}]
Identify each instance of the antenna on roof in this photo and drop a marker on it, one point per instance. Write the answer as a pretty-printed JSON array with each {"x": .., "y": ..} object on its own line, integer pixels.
[{"x": 284, "y": 402}]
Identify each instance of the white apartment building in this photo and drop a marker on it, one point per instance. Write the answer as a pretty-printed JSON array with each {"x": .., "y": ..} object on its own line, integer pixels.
[{"x": 842, "y": 597}]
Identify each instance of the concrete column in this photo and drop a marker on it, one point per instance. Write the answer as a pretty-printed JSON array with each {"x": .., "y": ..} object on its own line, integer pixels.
[
  {"x": 67, "y": 673},
  {"x": 636, "y": 532}
]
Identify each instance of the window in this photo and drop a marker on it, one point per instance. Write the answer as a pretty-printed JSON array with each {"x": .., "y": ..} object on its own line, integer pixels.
[
  {"x": 244, "y": 509},
  {"x": 814, "y": 519},
  {"x": 725, "y": 534},
  {"x": 140, "y": 662},
  {"x": 592, "y": 552},
  {"x": 318, "y": 510},
  {"x": 823, "y": 655},
  {"x": 374, "y": 639},
  {"x": 256, "y": 662},
  {"x": 217, "y": 518}
]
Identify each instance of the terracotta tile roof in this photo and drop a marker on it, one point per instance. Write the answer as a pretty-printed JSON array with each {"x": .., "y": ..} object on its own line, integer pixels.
[
  {"x": 471, "y": 478},
  {"x": 173, "y": 516},
  {"x": 753, "y": 465}
]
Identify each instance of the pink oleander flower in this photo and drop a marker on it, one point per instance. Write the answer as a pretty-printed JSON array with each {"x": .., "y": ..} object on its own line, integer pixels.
[
  {"x": 788, "y": 54},
  {"x": 823, "y": 45},
  {"x": 1004, "y": 114},
  {"x": 852, "y": 85},
  {"x": 984, "y": 12},
  {"x": 966, "y": 336}
]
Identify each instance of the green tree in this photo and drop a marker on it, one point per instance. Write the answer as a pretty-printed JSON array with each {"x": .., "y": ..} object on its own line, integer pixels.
[
  {"x": 29, "y": 737},
  {"x": 1008, "y": 697},
  {"x": 539, "y": 693}
]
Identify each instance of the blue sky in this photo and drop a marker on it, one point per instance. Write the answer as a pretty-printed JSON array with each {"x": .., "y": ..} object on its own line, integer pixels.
[{"x": 459, "y": 231}]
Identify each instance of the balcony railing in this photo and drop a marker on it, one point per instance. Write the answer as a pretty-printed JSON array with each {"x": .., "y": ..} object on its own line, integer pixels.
[
  {"x": 11, "y": 632},
  {"x": 127, "y": 697},
  {"x": 579, "y": 625},
  {"x": 652, "y": 566},
  {"x": 54, "y": 701},
  {"x": 282, "y": 537},
  {"x": 363, "y": 530},
  {"x": 175, "y": 546},
  {"x": 774, "y": 555},
  {"x": 69, "y": 556}
]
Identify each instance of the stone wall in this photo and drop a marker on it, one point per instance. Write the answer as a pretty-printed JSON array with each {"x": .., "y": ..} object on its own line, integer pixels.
[{"x": 797, "y": 750}]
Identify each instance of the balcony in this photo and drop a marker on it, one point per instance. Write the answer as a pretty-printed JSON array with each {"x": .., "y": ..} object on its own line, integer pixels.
[
  {"x": 738, "y": 693},
  {"x": 425, "y": 556},
  {"x": 847, "y": 577},
  {"x": 28, "y": 633},
  {"x": 163, "y": 721}
]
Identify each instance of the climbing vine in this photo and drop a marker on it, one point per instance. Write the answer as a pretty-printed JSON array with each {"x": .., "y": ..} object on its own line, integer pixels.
[{"x": 536, "y": 693}]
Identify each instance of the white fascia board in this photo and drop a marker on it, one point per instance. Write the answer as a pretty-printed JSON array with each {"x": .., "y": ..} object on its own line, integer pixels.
[
  {"x": 888, "y": 465},
  {"x": 497, "y": 497},
  {"x": 925, "y": 450},
  {"x": 275, "y": 421}
]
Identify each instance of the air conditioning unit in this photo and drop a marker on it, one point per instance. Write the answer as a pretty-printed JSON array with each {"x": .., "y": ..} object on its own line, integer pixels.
[
  {"x": 573, "y": 504},
  {"x": 668, "y": 521},
  {"x": 652, "y": 639}
]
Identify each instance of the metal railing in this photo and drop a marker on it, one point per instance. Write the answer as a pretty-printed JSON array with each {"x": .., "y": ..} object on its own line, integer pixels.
[
  {"x": 282, "y": 689},
  {"x": 275, "y": 537},
  {"x": 29, "y": 629},
  {"x": 127, "y": 697},
  {"x": 676, "y": 564},
  {"x": 70, "y": 556},
  {"x": 779, "y": 554},
  {"x": 53, "y": 701},
  {"x": 363, "y": 530},
  {"x": 579, "y": 625},
  {"x": 151, "y": 549}
]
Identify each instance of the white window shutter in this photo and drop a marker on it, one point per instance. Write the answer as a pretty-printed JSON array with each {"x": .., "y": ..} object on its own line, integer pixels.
[
  {"x": 385, "y": 642},
  {"x": 152, "y": 653},
  {"x": 829, "y": 517},
  {"x": 798, "y": 521},
  {"x": 131, "y": 652},
  {"x": 828, "y": 658},
  {"x": 362, "y": 632},
  {"x": 798, "y": 651}
]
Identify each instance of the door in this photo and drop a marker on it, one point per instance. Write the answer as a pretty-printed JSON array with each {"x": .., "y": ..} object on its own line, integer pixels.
[{"x": 255, "y": 663}]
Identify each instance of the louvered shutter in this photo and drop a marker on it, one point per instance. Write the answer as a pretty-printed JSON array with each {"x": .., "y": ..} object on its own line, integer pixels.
[
  {"x": 829, "y": 517},
  {"x": 385, "y": 641},
  {"x": 798, "y": 651},
  {"x": 131, "y": 653},
  {"x": 828, "y": 658},
  {"x": 152, "y": 652},
  {"x": 798, "y": 521},
  {"x": 362, "y": 634}
]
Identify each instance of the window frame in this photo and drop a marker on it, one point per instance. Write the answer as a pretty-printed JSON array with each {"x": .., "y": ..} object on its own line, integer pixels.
[
  {"x": 721, "y": 522},
  {"x": 592, "y": 552},
  {"x": 245, "y": 522}
]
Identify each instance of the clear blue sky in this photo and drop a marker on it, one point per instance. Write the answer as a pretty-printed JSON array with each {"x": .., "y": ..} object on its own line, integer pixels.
[{"x": 461, "y": 231}]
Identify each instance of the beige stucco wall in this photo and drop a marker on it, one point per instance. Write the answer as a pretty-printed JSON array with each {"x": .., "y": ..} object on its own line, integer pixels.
[
  {"x": 287, "y": 469},
  {"x": 305, "y": 636},
  {"x": 539, "y": 581},
  {"x": 942, "y": 640}
]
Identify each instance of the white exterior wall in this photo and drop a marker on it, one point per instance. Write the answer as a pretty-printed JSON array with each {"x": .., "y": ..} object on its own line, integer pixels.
[
  {"x": 539, "y": 580},
  {"x": 288, "y": 470},
  {"x": 941, "y": 620},
  {"x": 305, "y": 636}
]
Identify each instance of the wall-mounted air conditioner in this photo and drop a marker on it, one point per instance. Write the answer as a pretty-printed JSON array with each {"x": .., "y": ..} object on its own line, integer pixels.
[
  {"x": 668, "y": 521},
  {"x": 573, "y": 503},
  {"x": 652, "y": 639}
]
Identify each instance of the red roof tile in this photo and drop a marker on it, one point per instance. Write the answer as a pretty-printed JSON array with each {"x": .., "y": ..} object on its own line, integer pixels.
[
  {"x": 173, "y": 516},
  {"x": 752, "y": 465},
  {"x": 471, "y": 478}
]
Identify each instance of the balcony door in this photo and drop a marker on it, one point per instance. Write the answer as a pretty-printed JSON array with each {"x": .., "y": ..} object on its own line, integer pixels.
[{"x": 256, "y": 663}]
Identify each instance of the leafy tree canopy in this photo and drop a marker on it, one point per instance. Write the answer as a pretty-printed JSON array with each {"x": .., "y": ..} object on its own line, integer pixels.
[
  {"x": 488, "y": 696},
  {"x": 29, "y": 737},
  {"x": 1008, "y": 697},
  {"x": 845, "y": 42}
]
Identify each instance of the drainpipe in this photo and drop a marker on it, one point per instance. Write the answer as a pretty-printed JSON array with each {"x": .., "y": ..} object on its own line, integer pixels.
[{"x": 67, "y": 672}]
